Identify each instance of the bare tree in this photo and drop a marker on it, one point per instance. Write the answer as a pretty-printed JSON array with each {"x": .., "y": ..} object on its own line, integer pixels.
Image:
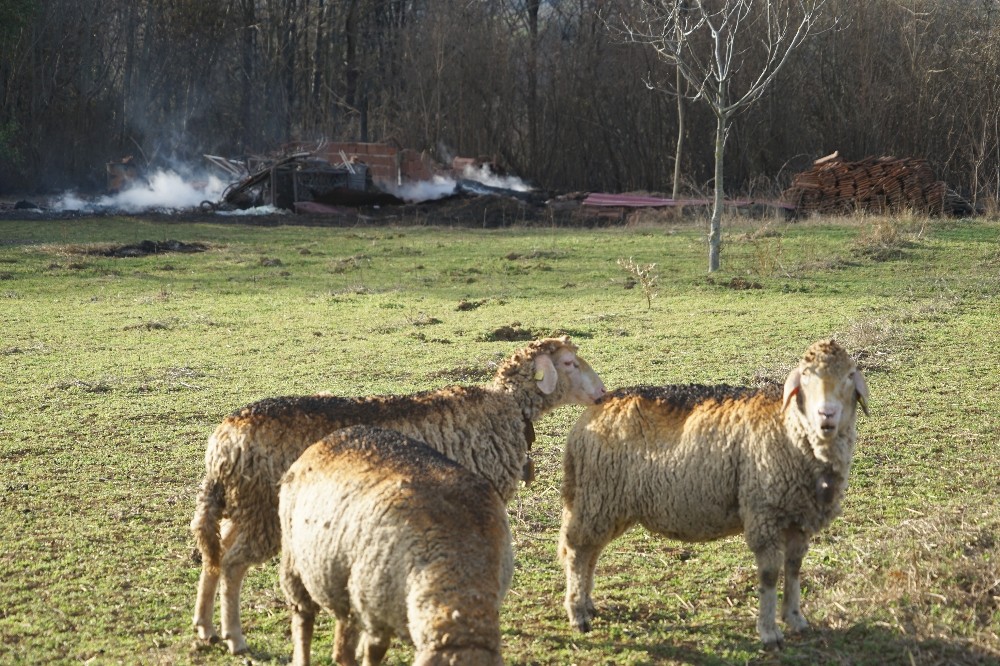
[{"x": 728, "y": 52}]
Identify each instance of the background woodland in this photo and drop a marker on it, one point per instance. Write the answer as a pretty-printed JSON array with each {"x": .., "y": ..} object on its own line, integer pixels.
[{"x": 543, "y": 88}]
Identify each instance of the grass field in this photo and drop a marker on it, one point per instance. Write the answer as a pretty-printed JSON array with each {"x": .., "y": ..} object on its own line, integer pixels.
[{"x": 114, "y": 371}]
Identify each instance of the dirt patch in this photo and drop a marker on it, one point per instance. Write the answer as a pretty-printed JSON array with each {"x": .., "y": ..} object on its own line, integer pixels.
[
  {"x": 738, "y": 283},
  {"x": 148, "y": 247},
  {"x": 512, "y": 333},
  {"x": 465, "y": 306},
  {"x": 536, "y": 254},
  {"x": 148, "y": 326}
]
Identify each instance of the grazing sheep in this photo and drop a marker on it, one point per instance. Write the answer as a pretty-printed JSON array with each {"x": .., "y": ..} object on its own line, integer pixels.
[
  {"x": 394, "y": 539},
  {"x": 488, "y": 429},
  {"x": 698, "y": 463}
]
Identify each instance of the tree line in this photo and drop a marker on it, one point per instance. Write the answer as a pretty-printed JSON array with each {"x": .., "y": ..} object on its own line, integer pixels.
[{"x": 544, "y": 88}]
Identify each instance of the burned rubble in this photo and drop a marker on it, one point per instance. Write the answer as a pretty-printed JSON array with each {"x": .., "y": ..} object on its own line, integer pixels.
[{"x": 360, "y": 183}]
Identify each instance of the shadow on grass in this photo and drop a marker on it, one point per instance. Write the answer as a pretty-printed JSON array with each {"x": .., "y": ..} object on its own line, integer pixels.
[
  {"x": 858, "y": 645},
  {"x": 657, "y": 650},
  {"x": 866, "y": 644}
]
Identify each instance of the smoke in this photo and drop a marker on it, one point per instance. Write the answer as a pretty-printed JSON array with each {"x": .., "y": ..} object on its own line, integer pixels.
[
  {"x": 169, "y": 190},
  {"x": 164, "y": 191},
  {"x": 483, "y": 174},
  {"x": 442, "y": 186},
  {"x": 438, "y": 187},
  {"x": 250, "y": 212}
]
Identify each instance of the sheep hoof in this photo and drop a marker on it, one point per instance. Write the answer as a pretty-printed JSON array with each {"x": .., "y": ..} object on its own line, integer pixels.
[
  {"x": 774, "y": 643},
  {"x": 796, "y": 622},
  {"x": 206, "y": 634},
  {"x": 237, "y": 645},
  {"x": 771, "y": 637}
]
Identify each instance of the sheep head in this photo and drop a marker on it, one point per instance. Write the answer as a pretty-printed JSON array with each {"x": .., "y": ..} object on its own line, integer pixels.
[
  {"x": 825, "y": 387},
  {"x": 550, "y": 371}
]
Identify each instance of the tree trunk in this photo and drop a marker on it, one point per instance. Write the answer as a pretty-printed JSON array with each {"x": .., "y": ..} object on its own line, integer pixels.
[
  {"x": 680, "y": 138},
  {"x": 678, "y": 35},
  {"x": 351, "y": 65},
  {"x": 532, "y": 9},
  {"x": 245, "y": 134},
  {"x": 715, "y": 231}
]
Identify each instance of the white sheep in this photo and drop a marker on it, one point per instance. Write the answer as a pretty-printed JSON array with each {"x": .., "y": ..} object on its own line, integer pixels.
[
  {"x": 487, "y": 429},
  {"x": 698, "y": 463},
  {"x": 394, "y": 539}
]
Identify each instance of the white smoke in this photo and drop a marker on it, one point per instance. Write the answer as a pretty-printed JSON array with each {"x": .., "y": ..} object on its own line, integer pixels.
[
  {"x": 484, "y": 174},
  {"x": 165, "y": 191},
  {"x": 442, "y": 186},
  {"x": 426, "y": 190},
  {"x": 69, "y": 201},
  {"x": 256, "y": 210}
]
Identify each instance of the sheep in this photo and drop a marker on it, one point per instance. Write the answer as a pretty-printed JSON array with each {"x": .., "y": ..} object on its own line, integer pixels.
[
  {"x": 393, "y": 538},
  {"x": 698, "y": 463},
  {"x": 488, "y": 429}
]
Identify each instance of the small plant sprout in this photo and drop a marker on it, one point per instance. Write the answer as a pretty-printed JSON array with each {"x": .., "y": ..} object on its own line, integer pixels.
[{"x": 645, "y": 275}]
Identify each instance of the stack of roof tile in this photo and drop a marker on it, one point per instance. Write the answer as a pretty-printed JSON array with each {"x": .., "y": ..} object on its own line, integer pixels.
[{"x": 874, "y": 184}]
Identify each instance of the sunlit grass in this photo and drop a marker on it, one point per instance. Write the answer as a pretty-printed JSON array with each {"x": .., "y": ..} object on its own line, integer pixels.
[{"x": 115, "y": 370}]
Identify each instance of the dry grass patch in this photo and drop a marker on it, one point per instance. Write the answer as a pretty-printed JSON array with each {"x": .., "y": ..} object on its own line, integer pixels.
[
  {"x": 934, "y": 579},
  {"x": 886, "y": 238}
]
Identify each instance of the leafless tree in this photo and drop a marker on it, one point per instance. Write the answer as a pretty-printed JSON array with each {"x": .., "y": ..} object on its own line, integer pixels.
[{"x": 713, "y": 45}]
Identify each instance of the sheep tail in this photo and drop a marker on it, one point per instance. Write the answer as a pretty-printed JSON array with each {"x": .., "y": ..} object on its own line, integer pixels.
[{"x": 205, "y": 526}]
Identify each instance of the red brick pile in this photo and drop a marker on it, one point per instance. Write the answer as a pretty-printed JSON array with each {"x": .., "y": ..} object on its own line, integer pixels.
[{"x": 874, "y": 184}]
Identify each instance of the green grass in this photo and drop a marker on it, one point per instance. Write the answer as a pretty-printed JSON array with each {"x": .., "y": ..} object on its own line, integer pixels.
[{"x": 114, "y": 371}]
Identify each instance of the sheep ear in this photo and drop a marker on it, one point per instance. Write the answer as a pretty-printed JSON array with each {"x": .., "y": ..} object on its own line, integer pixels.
[
  {"x": 861, "y": 389},
  {"x": 792, "y": 385},
  {"x": 545, "y": 374}
]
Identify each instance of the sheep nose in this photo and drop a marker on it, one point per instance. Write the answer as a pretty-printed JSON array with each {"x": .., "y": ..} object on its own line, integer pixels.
[
  {"x": 829, "y": 416},
  {"x": 596, "y": 390},
  {"x": 829, "y": 410}
]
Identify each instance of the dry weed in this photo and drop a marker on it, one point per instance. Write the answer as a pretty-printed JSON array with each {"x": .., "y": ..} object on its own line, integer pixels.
[{"x": 645, "y": 275}]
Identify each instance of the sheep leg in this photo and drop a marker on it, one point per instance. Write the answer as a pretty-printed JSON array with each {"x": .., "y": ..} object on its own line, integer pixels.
[
  {"x": 345, "y": 641},
  {"x": 581, "y": 540},
  {"x": 303, "y": 622},
  {"x": 208, "y": 585},
  {"x": 580, "y": 563},
  {"x": 588, "y": 583},
  {"x": 768, "y": 569},
  {"x": 250, "y": 546},
  {"x": 229, "y": 605},
  {"x": 796, "y": 546},
  {"x": 375, "y": 648},
  {"x": 303, "y": 608}
]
